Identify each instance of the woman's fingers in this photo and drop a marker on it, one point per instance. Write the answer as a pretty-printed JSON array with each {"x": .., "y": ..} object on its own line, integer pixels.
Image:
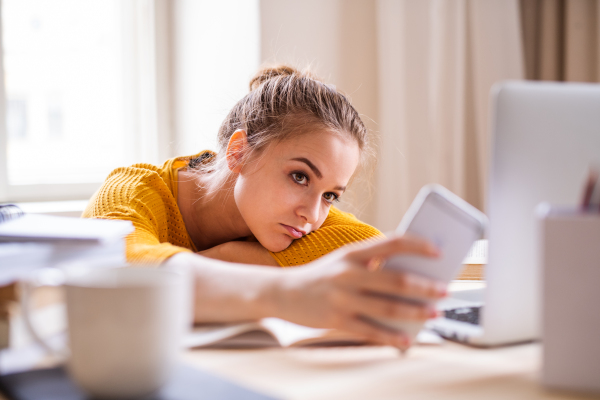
[
  {"x": 337, "y": 289},
  {"x": 401, "y": 284},
  {"x": 393, "y": 246},
  {"x": 375, "y": 333},
  {"x": 378, "y": 306},
  {"x": 390, "y": 281}
]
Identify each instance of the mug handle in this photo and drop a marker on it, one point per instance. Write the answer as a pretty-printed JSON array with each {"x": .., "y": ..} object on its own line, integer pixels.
[{"x": 41, "y": 277}]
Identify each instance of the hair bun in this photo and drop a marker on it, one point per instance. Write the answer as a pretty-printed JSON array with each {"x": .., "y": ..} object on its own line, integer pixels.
[{"x": 266, "y": 73}]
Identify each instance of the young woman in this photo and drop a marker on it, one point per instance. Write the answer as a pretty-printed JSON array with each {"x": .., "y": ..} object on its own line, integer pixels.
[{"x": 287, "y": 152}]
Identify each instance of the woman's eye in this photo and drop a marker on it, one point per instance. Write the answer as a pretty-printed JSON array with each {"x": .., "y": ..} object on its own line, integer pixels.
[
  {"x": 330, "y": 197},
  {"x": 300, "y": 178}
]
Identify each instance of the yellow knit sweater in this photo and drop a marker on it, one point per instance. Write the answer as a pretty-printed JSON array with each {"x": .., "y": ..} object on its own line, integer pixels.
[{"x": 146, "y": 195}]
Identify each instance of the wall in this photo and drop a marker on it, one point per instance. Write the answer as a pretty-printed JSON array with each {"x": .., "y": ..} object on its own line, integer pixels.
[
  {"x": 216, "y": 51},
  {"x": 419, "y": 73},
  {"x": 337, "y": 39}
]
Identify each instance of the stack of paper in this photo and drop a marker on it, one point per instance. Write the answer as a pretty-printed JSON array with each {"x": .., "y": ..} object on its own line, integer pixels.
[
  {"x": 478, "y": 254},
  {"x": 37, "y": 241}
]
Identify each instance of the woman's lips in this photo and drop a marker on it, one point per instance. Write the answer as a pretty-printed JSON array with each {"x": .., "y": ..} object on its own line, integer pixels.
[{"x": 296, "y": 233}]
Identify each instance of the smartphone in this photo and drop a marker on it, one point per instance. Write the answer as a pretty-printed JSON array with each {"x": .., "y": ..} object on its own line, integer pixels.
[{"x": 450, "y": 223}]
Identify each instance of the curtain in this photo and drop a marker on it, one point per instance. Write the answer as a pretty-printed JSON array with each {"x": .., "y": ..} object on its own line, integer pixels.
[
  {"x": 561, "y": 39},
  {"x": 437, "y": 62}
]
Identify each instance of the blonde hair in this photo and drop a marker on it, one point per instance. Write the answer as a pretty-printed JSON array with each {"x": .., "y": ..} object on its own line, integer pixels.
[{"x": 284, "y": 102}]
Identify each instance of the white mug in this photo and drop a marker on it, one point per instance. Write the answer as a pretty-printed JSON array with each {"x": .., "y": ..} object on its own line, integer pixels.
[{"x": 125, "y": 326}]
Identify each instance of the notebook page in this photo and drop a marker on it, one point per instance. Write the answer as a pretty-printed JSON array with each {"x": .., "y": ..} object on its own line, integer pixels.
[
  {"x": 478, "y": 253},
  {"x": 207, "y": 335}
]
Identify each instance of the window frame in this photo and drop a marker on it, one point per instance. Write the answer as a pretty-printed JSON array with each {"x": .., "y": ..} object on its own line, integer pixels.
[{"x": 148, "y": 36}]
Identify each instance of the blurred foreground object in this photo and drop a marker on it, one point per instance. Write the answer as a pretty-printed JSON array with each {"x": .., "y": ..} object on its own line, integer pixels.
[
  {"x": 29, "y": 242},
  {"x": 570, "y": 257}
]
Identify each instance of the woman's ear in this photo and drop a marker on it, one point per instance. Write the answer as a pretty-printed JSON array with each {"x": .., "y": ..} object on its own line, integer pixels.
[{"x": 236, "y": 150}]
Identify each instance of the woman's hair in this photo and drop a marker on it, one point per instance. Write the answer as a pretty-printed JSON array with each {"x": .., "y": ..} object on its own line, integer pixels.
[{"x": 282, "y": 103}]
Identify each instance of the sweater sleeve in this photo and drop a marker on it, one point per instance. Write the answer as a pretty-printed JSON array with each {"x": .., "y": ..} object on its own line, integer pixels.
[
  {"x": 137, "y": 195},
  {"x": 339, "y": 229}
]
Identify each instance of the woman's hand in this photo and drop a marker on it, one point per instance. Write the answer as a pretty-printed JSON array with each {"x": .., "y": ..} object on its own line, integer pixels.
[
  {"x": 334, "y": 291},
  {"x": 331, "y": 292}
]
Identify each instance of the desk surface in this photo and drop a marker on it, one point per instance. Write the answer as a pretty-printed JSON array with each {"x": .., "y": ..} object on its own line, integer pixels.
[{"x": 448, "y": 371}]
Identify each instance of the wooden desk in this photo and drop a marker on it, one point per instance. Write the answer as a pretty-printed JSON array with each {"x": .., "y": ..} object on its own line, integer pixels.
[
  {"x": 472, "y": 272},
  {"x": 449, "y": 371}
]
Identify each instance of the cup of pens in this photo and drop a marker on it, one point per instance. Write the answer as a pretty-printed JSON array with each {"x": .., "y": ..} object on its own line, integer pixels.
[{"x": 569, "y": 260}]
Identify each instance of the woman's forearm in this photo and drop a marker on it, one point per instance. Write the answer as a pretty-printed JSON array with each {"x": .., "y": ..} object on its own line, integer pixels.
[
  {"x": 241, "y": 252},
  {"x": 332, "y": 292},
  {"x": 225, "y": 291}
]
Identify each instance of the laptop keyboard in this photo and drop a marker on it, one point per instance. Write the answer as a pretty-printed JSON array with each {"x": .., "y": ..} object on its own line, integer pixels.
[{"x": 465, "y": 314}]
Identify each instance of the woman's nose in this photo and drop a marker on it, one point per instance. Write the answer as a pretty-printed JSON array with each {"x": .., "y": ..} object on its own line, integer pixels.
[{"x": 309, "y": 211}]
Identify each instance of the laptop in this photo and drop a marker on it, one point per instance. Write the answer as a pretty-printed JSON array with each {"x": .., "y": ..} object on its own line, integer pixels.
[{"x": 544, "y": 137}]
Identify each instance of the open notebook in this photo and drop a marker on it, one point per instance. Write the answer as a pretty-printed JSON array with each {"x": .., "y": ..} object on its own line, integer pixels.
[
  {"x": 19, "y": 227},
  {"x": 274, "y": 332},
  {"x": 478, "y": 254}
]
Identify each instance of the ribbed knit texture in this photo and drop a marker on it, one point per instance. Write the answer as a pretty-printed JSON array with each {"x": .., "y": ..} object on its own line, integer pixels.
[
  {"x": 339, "y": 229},
  {"x": 146, "y": 195}
]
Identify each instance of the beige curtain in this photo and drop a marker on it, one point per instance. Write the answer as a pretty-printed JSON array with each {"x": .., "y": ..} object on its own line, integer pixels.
[
  {"x": 420, "y": 72},
  {"x": 561, "y": 39},
  {"x": 437, "y": 63}
]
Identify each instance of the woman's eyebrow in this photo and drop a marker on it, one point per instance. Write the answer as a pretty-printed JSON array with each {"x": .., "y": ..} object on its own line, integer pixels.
[
  {"x": 316, "y": 171},
  {"x": 312, "y": 166}
]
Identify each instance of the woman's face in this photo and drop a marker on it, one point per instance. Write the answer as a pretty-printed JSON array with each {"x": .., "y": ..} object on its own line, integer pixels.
[{"x": 286, "y": 191}]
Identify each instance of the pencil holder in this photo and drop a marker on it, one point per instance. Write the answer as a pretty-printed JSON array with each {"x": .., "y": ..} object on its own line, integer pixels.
[{"x": 570, "y": 266}]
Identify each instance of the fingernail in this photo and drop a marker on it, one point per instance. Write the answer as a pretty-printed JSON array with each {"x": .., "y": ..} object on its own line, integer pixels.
[
  {"x": 442, "y": 289},
  {"x": 433, "y": 313},
  {"x": 406, "y": 343},
  {"x": 398, "y": 341}
]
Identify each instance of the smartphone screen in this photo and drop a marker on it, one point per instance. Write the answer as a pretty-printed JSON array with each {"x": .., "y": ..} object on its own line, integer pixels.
[
  {"x": 452, "y": 225},
  {"x": 448, "y": 226}
]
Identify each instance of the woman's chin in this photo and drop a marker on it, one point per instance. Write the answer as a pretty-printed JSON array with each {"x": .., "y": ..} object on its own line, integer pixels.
[{"x": 276, "y": 246}]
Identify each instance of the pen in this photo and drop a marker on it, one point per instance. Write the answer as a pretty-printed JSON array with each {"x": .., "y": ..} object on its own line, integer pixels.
[{"x": 591, "y": 193}]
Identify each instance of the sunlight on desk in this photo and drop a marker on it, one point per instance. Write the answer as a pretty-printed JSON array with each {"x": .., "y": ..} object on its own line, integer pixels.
[{"x": 449, "y": 371}]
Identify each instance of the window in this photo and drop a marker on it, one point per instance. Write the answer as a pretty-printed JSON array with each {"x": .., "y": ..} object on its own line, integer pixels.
[
  {"x": 89, "y": 85},
  {"x": 80, "y": 91}
]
